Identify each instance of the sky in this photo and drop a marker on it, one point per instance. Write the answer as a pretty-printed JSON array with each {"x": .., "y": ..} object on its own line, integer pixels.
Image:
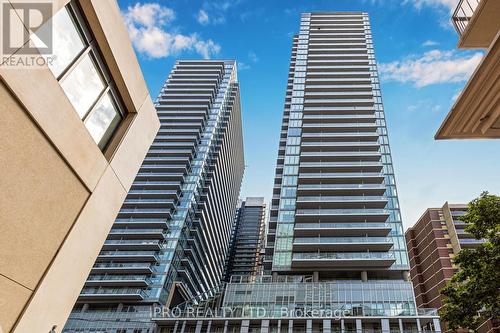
[{"x": 422, "y": 74}]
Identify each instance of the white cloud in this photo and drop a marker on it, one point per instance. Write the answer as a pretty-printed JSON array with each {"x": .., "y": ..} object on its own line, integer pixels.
[
  {"x": 147, "y": 26},
  {"x": 149, "y": 14},
  {"x": 202, "y": 17},
  {"x": 215, "y": 11},
  {"x": 432, "y": 67},
  {"x": 430, "y": 43},
  {"x": 252, "y": 56},
  {"x": 448, "y": 4}
]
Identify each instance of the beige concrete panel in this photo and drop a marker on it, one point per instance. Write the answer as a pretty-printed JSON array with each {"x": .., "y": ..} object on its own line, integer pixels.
[
  {"x": 109, "y": 29},
  {"x": 132, "y": 149},
  {"x": 483, "y": 26},
  {"x": 41, "y": 196},
  {"x": 13, "y": 297},
  {"x": 56, "y": 295},
  {"x": 54, "y": 113}
]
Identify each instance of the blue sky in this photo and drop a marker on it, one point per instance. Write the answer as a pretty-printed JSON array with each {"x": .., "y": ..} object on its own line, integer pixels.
[{"x": 421, "y": 70}]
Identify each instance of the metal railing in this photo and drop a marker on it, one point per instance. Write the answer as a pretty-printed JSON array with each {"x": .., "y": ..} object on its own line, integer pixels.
[
  {"x": 113, "y": 291},
  {"x": 342, "y": 240},
  {"x": 463, "y": 14},
  {"x": 360, "y": 226},
  {"x": 329, "y": 198},
  {"x": 342, "y": 255},
  {"x": 359, "y": 211}
]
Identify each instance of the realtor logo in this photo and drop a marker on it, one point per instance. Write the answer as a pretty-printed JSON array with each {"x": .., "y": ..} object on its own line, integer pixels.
[{"x": 20, "y": 20}]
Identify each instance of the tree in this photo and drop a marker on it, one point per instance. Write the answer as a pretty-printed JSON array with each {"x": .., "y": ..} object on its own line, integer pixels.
[{"x": 473, "y": 293}]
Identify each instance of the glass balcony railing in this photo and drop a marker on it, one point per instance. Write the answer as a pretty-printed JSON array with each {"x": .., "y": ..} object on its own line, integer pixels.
[
  {"x": 137, "y": 231},
  {"x": 341, "y": 174},
  {"x": 427, "y": 312},
  {"x": 342, "y": 240},
  {"x": 367, "y": 211},
  {"x": 342, "y": 255},
  {"x": 131, "y": 242},
  {"x": 118, "y": 278},
  {"x": 113, "y": 291},
  {"x": 463, "y": 14},
  {"x": 347, "y": 198},
  {"x": 341, "y": 144},
  {"x": 123, "y": 265},
  {"x": 339, "y": 186},
  {"x": 342, "y": 225}
]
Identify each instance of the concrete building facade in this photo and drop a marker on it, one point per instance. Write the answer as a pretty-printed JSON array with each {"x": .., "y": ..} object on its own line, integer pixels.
[
  {"x": 171, "y": 237},
  {"x": 74, "y": 132},
  {"x": 247, "y": 239},
  {"x": 476, "y": 112},
  {"x": 433, "y": 242}
]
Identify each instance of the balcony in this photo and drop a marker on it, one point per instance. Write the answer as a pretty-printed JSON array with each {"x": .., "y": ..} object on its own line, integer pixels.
[
  {"x": 112, "y": 294},
  {"x": 137, "y": 234},
  {"x": 159, "y": 176},
  {"x": 128, "y": 256},
  {"x": 122, "y": 268},
  {"x": 157, "y": 194},
  {"x": 340, "y": 146},
  {"x": 340, "y": 136},
  {"x": 349, "y": 201},
  {"x": 342, "y": 229},
  {"x": 342, "y": 243},
  {"x": 156, "y": 185},
  {"x": 375, "y": 229},
  {"x": 470, "y": 243},
  {"x": 475, "y": 114},
  {"x": 141, "y": 223},
  {"x": 339, "y": 127},
  {"x": 341, "y": 189},
  {"x": 476, "y": 22},
  {"x": 165, "y": 213},
  {"x": 117, "y": 281},
  {"x": 131, "y": 244},
  {"x": 364, "y": 215},
  {"x": 340, "y": 156},
  {"x": 341, "y": 177},
  {"x": 331, "y": 260},
  {"x": 340, "y": 166},
  {"x": 149, "y": 203}
]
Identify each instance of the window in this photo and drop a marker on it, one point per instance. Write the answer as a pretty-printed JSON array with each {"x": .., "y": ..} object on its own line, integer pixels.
[
  {"x": 293, "y": 141},
  {"x": 82, "y": 74},
  {"x": 285, "y": 230},
  {"x": 294, "y": 131},
  {"x": 292, "y": 150},
  {"x": 288, "y": 192},
  {"x": 287, "y": 204},
  {"x": 291, "y": 170},
  {"x": 292, "y": 159},
  {"x": 290, "y": 180}
]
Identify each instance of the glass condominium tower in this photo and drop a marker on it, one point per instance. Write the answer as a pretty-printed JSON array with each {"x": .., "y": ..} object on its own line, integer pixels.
[
  {"x": 335, "y": 211},
  {"x": 171, "y": 237},
  {"x": 336, "y": 259}
]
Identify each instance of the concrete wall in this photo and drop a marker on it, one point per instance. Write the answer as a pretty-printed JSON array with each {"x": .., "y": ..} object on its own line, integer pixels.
[{"x": 59, "y": 193}]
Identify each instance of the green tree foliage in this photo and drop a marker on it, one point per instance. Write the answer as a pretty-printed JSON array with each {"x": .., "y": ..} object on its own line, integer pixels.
[{"x": 473, "y": 294}]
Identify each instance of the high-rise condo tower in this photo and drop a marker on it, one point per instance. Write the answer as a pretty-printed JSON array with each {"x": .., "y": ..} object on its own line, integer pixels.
[
  {"x": 336, "y": 249},
  {"x": 171, "y": 238},
  {"x": 247, "y": 238}
]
